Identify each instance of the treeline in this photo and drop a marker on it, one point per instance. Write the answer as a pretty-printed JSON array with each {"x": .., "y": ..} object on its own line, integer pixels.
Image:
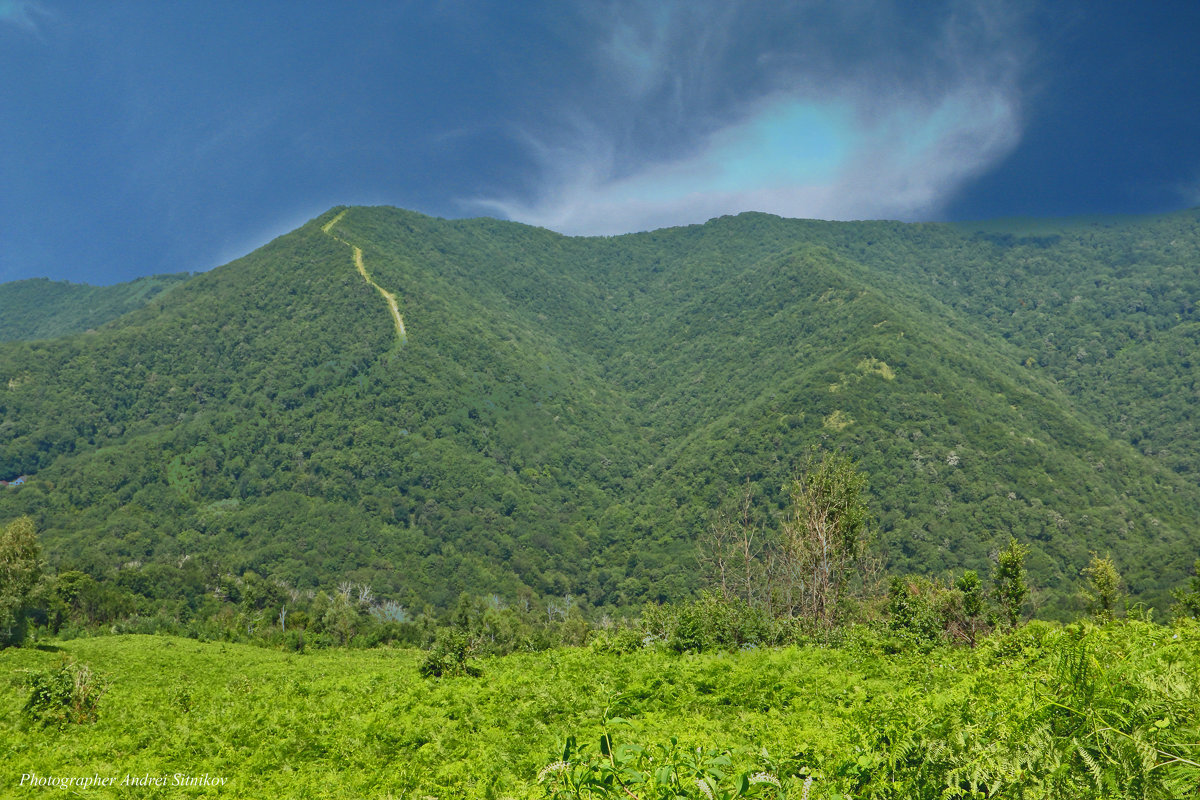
[
  {"x": 813, "y": 578},
  {"x": 194, "y": 601},
  {"x": 252, "y": 609}
]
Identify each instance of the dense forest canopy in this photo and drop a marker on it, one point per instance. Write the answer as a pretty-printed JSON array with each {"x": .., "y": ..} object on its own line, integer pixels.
[{"x": 566, "y": 414}]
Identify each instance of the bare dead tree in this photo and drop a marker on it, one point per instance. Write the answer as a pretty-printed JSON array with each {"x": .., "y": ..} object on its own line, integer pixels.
[
  {"x": 730, "y": 551},
  {"x": 558, "y": 609},
  {"x": 822, "y": 538}
]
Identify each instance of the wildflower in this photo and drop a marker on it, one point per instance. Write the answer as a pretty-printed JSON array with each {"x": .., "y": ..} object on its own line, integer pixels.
[
  {"x": 550, "y": 769},
  {"x": 763, "y": 777},
  {"x": 704, "y": 790},
  {"x": 807, "y": 786}
]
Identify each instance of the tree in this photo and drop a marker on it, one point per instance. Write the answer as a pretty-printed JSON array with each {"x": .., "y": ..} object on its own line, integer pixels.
[
  {"x": 1104, "y": 584},
  {"x": 972, "y": 603},
  {"x": 919, "y": 609},
  {"x": 1009, "y": 581},
  {"x": 343, "y": 618},
  {"x": 822, "y": 539},
  {"x": 20, "y": 570},
  {"x": 730, "y": 551},
  {"x": 1187, "y": 601}
]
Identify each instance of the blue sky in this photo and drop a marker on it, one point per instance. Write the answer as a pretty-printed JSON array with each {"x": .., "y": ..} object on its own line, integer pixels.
[{"x": 147, "y": 137}]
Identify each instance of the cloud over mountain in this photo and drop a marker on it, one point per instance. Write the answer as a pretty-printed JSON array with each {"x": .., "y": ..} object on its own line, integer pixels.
[{"x": 697, "y": 112}]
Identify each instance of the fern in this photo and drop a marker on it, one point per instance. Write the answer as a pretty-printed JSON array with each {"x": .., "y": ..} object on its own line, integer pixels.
[{"x": 1093, "y": 767}]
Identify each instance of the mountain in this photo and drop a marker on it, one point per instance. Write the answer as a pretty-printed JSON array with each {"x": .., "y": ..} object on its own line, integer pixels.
[
  {"x": 431, "y": 406},
  {"x": 43, "y": 309}
]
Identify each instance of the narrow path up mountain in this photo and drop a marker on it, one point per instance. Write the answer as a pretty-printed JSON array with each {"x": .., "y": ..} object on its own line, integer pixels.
[{"x": 393, "y": 306}]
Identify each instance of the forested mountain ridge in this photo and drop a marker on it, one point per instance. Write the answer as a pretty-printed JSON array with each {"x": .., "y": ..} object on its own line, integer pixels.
[
  {"x": 566, "y": 412},
  {"x": 43, "y": 309}
]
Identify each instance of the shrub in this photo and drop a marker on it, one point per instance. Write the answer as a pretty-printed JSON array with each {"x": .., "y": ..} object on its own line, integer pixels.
[
  {"x": 67, "y": 695},
  {"x": 1187, "y": 601},
  {"x": 713, "y": 622},
  {"x": 618, "y": 641},
  {"x": 181, "y": 694},
  {"x": 626, "y": 769},
  {"x": 1104, "y": 587},
  {"x": 921, "y": 610},
  {"x": 451, "y": 654}
]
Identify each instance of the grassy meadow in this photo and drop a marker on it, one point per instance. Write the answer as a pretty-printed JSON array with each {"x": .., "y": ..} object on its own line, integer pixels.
[{"x": 1044, "y": 711}]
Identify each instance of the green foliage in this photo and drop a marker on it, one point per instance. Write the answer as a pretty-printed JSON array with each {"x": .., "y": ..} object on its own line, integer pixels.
[
  {"x": 1104, "y": 586},
  {"x": 1038, "y": 711},
  {"x": 1010, "y": 588},
  {"x": 924, "y": 612},
  {"x": 1187, "y": 601},
  {"x": 337, "y": 616},
  {"x": 920, "y": 610},
  {"x": 450, "y": 655},
  {"x": 567, "y": 412},
  {"x": 715, "y": 623},
  {"x": 69, "y": 694},
  {"x": 182, "y": 694},
  {"x": 617, "y": 641},
  {"x": 20, "y": 570},
  {"x": 970, "y": 589},
  {"x": 972, "y": 593},
  {"x": 618, "y": 769},
  {"x": 43, "y": 309},
  {"x": 822, "y": 539}
]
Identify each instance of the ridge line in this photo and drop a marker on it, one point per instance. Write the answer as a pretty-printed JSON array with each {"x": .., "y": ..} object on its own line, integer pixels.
[{"x": 357, "y": 252}]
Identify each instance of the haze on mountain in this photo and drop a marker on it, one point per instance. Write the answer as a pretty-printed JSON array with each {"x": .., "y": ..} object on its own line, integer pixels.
[{"x": 562, "y": 415}]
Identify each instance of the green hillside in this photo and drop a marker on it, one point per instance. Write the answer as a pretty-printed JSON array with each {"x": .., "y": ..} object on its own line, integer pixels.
[
  {"x": 45, "y": 309},
  {"x": 563, "y": 414}
]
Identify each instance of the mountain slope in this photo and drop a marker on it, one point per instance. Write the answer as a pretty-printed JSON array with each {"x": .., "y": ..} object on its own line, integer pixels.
[
  {"x": 44, "y": 309},
  {"x": 562, "y": 414}
]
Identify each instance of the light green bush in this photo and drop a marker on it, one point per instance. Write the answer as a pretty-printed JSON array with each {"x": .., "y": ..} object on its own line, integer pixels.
[{"x": 69, "y": 694}]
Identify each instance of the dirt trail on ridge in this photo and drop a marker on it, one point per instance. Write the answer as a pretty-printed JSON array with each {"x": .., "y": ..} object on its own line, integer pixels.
[{"x": 393, "y": 305}]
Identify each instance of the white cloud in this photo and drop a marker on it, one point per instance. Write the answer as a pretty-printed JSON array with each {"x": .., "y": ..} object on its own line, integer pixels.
[{"x": 807, "y": 133}]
